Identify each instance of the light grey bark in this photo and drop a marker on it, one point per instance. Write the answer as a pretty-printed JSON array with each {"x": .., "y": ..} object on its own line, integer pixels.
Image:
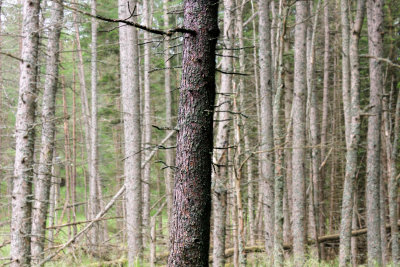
[
  {"x": 93, "y": 165},
  {"x": 43, "y": 181},
  {"x": 147, "y": 17},
  {"x": 267, "y": 141},
  {"x": 220, "y": 176},
  {"x": 353, "y": 139},
  {"x": 278, "y": 137},
  {"x": 169, "y": 153},
  {"x": 314, "y": 133},
  {"x": 25, "y": 137},
  {"x": 251, "y": 188},
  {"x": 325, "y": 95},
  {"x": 345, "y": 22},
  {"x": 53, "y": 198},
  {"x": 130, "y": 94},
  {"x": 299, "y": 100},
  {"x": 375, "y": 48}
]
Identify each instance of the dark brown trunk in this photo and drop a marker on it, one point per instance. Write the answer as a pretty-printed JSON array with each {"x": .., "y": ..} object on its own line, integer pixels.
[{"x": 190, "y": 226}]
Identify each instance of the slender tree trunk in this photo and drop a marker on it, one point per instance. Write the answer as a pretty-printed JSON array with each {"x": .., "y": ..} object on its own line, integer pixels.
[
  {"x": 278, "y": 137},
  {"x": 345, "y": 13},
  {"x": 192, "y": 192},
  {"x": 95, "y": 235},
  {"x": 169, "y": 153},
  {"x": 147, "y": 16},
  {"x": 43, "y": 181},
  {"x": 314, "y": 135},
  {"x": 130, "y": 93},
  {"x": 220, "y": 175},
  {"x": 354, "y": 139},
  {"x": 25, "y": 137},
  {"x": 375, "y": 48},
  {"x": 267, "y": 141},
  {"x": 299, "y": 99},
  {"x": 392, "y": 155}
]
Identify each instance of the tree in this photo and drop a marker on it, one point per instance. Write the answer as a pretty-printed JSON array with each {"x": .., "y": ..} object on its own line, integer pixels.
[
  {"x": 266, "y": 121},
  {"x": 43, "y": 181},
  {"x": 220, "y": 174},
  {"x": 299, "y": 97},
  {"x": 375, "y": 48},
  {"x": 25, "y": 137},
  {"x": 192, "y": 190},
  {"x": 354, "y": 138},
  {"x": 130, "y": 97},
  {"x": 94, "y": 188}
]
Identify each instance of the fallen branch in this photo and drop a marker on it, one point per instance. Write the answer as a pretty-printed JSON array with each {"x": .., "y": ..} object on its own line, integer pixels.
[
  {"x": 87, "y": 227},
  {"x": 81, "y": 222}
]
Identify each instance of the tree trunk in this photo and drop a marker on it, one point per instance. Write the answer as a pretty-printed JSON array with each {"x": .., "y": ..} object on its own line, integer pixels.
[
  {"x": 93, "y": 165},
  {"x": 354, "y": 139},
  {"x": 147, "y": 16},
  {"x": 375, "y": 48},
  {"x": 190, "y": 226},
  {"x": 299, "y": 99},
  {"x": 219, "y": 194},
  {"x": 267, "y": 141},
  {"x": 130, "y": 93},
  {"x": 278, "y": 137},
  {"x": 43, "y": 181},
  {"x": 25, "y": 137},
  {"x": 169, "y": 153}
]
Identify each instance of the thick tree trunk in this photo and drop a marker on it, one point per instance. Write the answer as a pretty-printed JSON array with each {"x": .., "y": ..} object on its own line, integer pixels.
[
  {"x": 192, "y": 192},
  {"x": 299, "y": 100},
  {"x": 220, "y": 176},
  {"x": 267, "y": 141},
  {"x": 130, "y": 94},
  {"x": 354, "y": 138},
  {"x": 43, "y": 181},
  {"x": 375, "y": 48},
  {"x": 25, "y": 137}
]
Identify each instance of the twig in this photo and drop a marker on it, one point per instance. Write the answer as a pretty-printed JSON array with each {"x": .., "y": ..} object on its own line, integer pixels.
[
  {"x": 388, "y": 61},
  {"x": 134, "y": 24}
]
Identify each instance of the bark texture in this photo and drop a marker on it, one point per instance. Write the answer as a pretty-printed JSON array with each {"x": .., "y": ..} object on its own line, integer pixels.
[
  {"x": 267, "y": 140},
  {"x": 192, "y": 190},
  {"x": 354, "y": 138},
  {"x": 220, "y": 176},
  {"x": 130, "y": 94},
  {"x": 299, "y": 124},
  {"x": 25, "y": 137},
  {"x": 375, "y": 48},
  {"x": 43, "y": 182}
]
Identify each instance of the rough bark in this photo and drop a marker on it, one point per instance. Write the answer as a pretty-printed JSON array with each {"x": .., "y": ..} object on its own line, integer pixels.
[
  {"x": 25, "y": 137},
  {"x": 130, "y": 94},
  {"x": 192, "y": 191},
  {"x": 375, "y": 48},
  {"x": 43, "y": 181},
  {"x": 266, "y": 120},
  {"x": 220, "y": 176},
  {"x": 354, "y": 139},
  {"x": 345, "y": 22},
  {"x": 299, "y": 97},
  {"x": 278, "y": 137}
]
